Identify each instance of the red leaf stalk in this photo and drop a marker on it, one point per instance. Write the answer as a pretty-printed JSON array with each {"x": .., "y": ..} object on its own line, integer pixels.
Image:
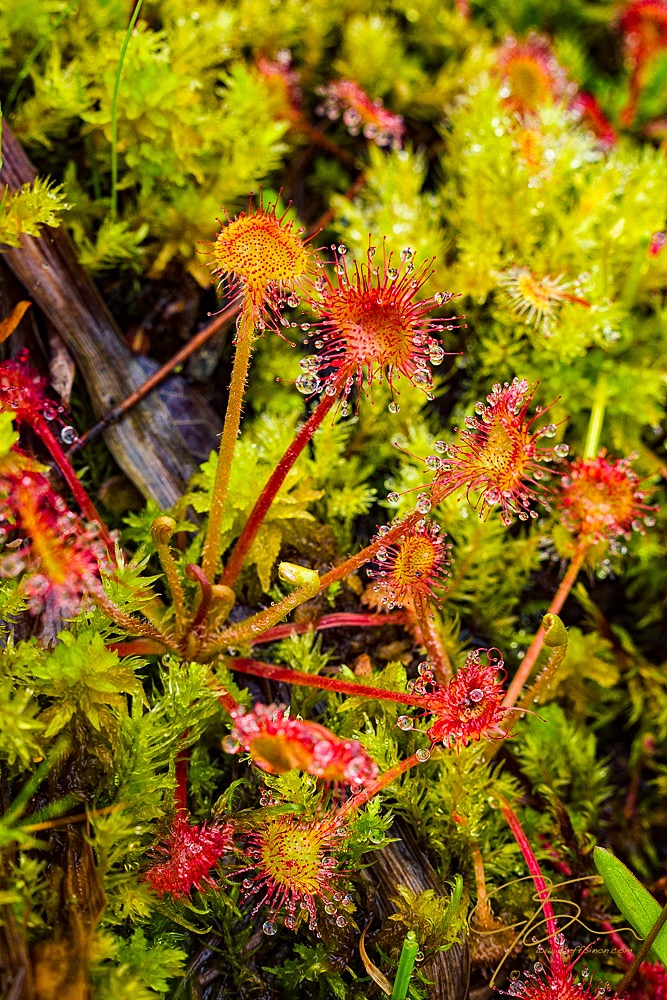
[{"x": 270, "y": 491}]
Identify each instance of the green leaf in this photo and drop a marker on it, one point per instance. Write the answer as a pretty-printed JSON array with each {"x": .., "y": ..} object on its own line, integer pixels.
[
  {"x": 405, "y": 966},
  {"x": 8, "y": 435},
  {"x": 634, "y": 901}
]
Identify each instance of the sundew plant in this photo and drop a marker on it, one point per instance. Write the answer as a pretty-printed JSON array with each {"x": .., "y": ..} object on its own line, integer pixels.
[{"x": 332, "y": 461}]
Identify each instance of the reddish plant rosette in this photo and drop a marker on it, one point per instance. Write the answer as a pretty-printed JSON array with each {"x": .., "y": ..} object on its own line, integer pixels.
[
  {"x": 278, "y": 743},
  {"x": 189, "y": 853}
]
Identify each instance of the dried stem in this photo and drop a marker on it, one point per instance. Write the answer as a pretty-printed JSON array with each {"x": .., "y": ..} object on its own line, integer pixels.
[
  {"x": 219, "y": 320},
  {"x": 268, "y": 494},
  {"x": 53, "y": 824},
  {"x": 535, "y": 648},
  {"x": 642, "y": 953},
  {"x": 230, "y": 431}
]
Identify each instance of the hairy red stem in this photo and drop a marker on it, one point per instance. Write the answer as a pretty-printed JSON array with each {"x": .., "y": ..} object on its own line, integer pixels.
[
  {"x": 364, "y": 796},
  {"x": 540, "y": 884},
  {"x": 181, "y": 765},
  {"x": 260, "y": 669},
  {"x": 365, "y": 555},
  {"x": 535, "y": 648},
  {"x": 229, "y": 703},
  {"x": 137, "y": 647},
  {"x": 270, "y": 491},
  {"x": 86, "y": 505},
  {"x": 339, "y": 619},
  {"x": 195, "y": 573},
  {"x": 615, "y": 938},
  {"x": 437, "y": 655}
]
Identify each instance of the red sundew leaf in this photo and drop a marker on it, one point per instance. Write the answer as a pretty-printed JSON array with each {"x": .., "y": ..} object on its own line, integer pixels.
[
  {"x": 190, "y": 852},
  {"x": 469, "y": 708},
  {"x": 278, "y": 743},
  {"x": 293, "y": 864}
]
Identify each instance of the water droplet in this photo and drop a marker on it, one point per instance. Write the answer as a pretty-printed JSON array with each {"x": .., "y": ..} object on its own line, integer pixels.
[
  {"x": 506, "y": 518},
  {"x": 393, "y": 498},
  {"x": 423, "y": 378},
  {"x": 321, "y": 283},
  {"x": 394, "y": 407},
  {"x": 436, "y": 354},
  {"x": 406, "y": 254},
  {"x": 342, "y": 249},
  {"x": 392, "y": 273},
  {"x": 649, "y": 520},
  {"x": 68, "y": 435},
  {"x": 548, "y": 431},
  {"x": 476, "y": 695},
  {"x": 432, "y": 462},
  {"x": 341, "y": 921},
  {"x": 441, "y": 447},
  {"x": 247, "y": 883},
  {"x": 561, "y": 450},
  {"x": 307, "y": 383},
  {"x": 479, "y": 409},
  {"x": 269, "y": 927},
  {"x": 293, "y": 301},
  {"x": 492, "y": 497},
  {"x": 404, "y": 722},
  {"x": 230, "y": 745},
  {"x": 423, "y": 754},
  {"x": 423, "y": 504},
  {"x": 419, "y": 957}
]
